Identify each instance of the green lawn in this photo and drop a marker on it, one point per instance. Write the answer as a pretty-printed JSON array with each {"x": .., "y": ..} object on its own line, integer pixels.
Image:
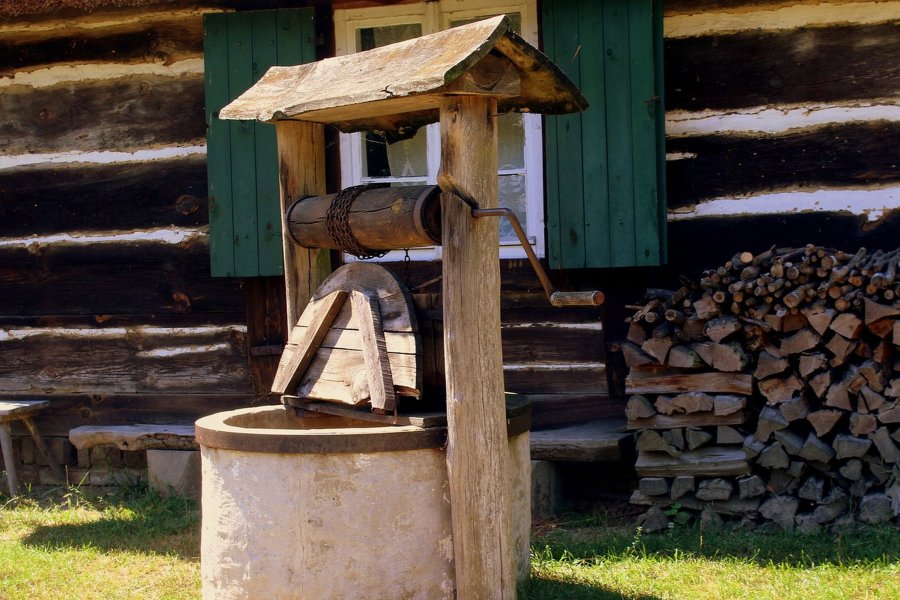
[
  {"x": 133, "y": 545},
  {"x": 574, "y": 561},
  {"x": 137, "y": 545}
]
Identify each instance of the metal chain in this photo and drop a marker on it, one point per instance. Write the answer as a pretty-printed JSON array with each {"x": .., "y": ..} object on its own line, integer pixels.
[
  {"x": 406, "y": 261},
  {"x": 337, "y": 223}
]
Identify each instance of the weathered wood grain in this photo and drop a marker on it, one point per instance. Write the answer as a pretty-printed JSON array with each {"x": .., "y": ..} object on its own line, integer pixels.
[
  {"x": 477, "y": 447},
  {"x": 52, "y": 198},
  {"x": 712, "y": 462},
  {"x": 594, "y": 441},
  {"x": 130, "y": 361},
  {"x": 850, "y": 154},
  {"x": 694, "y": 244},
  {"x": 301, "y": 171},
  {"x": 128, "y": 113},
  {"x": 113, "y": 279},
  {"x": 73, "y": 410},
  {"x": 160, "y": 41},
  {"x": 726, "y": 383},
  {"x": 820, "y": 64}
]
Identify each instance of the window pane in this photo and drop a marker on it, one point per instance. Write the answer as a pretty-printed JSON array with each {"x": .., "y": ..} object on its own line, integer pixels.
[
  {"x": 515, "y": 19},
  {"x": 400, "y": 159},
  {"x": 511, "y": 141},
  {"x": 512, "y": 195},
  {"x": 374, "y": 37}
]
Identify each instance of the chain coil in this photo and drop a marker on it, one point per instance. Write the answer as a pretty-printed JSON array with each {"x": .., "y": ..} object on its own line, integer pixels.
[{"x": 337, "y": 222}]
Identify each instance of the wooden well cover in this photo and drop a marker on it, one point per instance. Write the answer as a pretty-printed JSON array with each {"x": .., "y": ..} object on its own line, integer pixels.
[
  {"x": 397, "y": 88},
  {"x": 356, "y": 342}
]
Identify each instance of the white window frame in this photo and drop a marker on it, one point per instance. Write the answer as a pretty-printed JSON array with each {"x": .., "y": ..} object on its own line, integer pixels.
[{"x": 433, "y": 17}]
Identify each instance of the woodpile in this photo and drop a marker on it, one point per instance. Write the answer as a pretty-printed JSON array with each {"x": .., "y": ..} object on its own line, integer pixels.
[{"x": 770, "y": 391}]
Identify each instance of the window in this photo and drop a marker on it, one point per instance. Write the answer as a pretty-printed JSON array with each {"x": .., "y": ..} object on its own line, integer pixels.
[{"x": 366, "y": 158}]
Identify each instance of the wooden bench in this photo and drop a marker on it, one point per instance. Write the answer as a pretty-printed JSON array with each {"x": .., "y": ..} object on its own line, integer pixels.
[
  {"x": 23, "y": 410},
  {"x": 173, "y": 460},
  {"x": 602, "y": 440}
]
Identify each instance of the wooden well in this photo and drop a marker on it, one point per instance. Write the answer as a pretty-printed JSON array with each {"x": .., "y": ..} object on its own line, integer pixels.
[{"x": 463, "y": 77}]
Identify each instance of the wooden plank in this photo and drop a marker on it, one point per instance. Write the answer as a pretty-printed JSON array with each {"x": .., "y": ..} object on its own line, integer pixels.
[
  {"x": 406, "y": 79},
  {"x": 712, "y": 461},
  {"x": 264, "y": 27},
  {"x": 374, "y": 351},
  {"x": 243, "y": 142},
  {"x": 554, "y": 410},
  {"x": 593, "y": 441},
  {"x": 101, "y": 408},
  {"x": 569, "y": 146},
  {"x": 218, "y": 145},
  {"x": 646, "y": 109},
  {"x": 266, "y": 327},
  {"x": 558, "y": 379},
  {"x": 595, "y": 152},
  {"x": 341, "y": 375},
  {"x": 619, "y": 98},
  {"x": 54, "y": 198},
  {"x": 139, "y": 436},
  {"x": 846, "y": 154},
  {"x": 477, "y": 447},
  {"x": 129, "y": 360},
  {"x": 708, "y": 419},
  {"x": 304, "y": 341},
  {"x": 725, "y": 383},
  {"x": 127, "y": 113},
  {"x": 161, "y": 40},
  {"x": 750, "y": 69},
  {"x": 552, "y": 132},
  {"x": 424, "y": 419},
  {"x": 114, "y": 279}
]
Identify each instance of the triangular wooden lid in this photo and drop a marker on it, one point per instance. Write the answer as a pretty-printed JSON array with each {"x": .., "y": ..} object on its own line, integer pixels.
[{"x": 397, "y": 88}]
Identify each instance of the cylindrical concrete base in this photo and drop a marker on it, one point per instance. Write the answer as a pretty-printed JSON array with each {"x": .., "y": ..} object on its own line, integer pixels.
[{"x": 367, "y": 518}]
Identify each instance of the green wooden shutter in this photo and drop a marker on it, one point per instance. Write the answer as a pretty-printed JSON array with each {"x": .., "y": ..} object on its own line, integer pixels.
[
  {"x": 605, "y": 167},
  {"x": 244, "y": 213}
]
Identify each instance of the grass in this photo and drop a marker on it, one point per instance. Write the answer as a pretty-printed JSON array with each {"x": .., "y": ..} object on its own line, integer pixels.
[
  {"x": 577, "y": 560},
  {"x": 134, "y": 544},
  {"x": 130, "y": 544}
]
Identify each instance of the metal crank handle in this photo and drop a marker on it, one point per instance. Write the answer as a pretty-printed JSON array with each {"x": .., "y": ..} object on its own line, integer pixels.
[{"x": 589, "y": 298}]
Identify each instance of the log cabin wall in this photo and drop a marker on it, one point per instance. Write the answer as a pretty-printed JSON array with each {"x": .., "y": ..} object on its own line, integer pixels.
[
  {"x": 781, "y": 128},
  {"x": 782, "y": 120},
  {"x": 107, "y": 308}
]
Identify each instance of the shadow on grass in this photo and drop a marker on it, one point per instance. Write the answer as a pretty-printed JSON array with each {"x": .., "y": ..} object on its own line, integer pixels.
[
  {"x": 538, "y": 588},
  {"x": 860, "y": 547},
  {"x": 142, "y": 524}
]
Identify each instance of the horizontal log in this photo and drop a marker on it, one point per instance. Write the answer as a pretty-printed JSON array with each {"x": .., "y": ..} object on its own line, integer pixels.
[
  {"x": 800, "y": 65},
  {"x": 695, "y": 244},
  {"x": 114, "y": 279},
  {"x": 121, "y": 114},
  {"x": 595, "y": 441},
  {"x": 53, "y": 198},
  {"x": 124, "y": 361},
  {"x": 851, "y": 154},
  {"x": 553, "y": 410},
  {"x": 557, "y": 379},
  {"x": 159, "y": 41},
  {"x": 726, "y": 383}
]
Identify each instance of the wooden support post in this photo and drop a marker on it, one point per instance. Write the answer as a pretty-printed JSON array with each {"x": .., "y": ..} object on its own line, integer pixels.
[
  {"x": 301, "y": 172},
  {"x": 477, "y": 451},
  {"x": 9, "y": 461}
]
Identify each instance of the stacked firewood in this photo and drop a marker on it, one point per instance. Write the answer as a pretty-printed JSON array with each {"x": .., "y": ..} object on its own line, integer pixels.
[{"x": 770, "y": 391}]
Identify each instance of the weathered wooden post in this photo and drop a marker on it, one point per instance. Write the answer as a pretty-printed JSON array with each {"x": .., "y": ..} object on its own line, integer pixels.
[
  {"x": 464, "y": 77},
  {"x": 301, "y": 172}
]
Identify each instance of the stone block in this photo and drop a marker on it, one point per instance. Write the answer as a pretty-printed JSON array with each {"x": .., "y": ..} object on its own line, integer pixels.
[
  {"x": 546, "y": 489},
  {"x": 174, "y": 472}
]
